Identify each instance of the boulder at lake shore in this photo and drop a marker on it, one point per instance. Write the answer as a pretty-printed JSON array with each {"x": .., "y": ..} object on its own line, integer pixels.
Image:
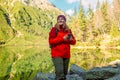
[{"x": 77, "y": 73}]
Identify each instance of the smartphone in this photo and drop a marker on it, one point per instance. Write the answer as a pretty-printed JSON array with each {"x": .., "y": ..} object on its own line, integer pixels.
[{"x": 69, "y": 35}]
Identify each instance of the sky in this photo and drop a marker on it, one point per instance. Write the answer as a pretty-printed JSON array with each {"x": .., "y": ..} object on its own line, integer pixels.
[{"x": 68, "y": 5}]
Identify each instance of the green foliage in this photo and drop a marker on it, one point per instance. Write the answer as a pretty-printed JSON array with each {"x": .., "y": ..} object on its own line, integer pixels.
[
  {"x": 114, "y": 32},
  {"x": 31, "y": 27},
  {"x": 88, "y": 59},
  {"x": 33, "y": 20},
  {"x": 106, "y": 24},
  {"x": 115, "y": 36},
  {"x": 90, "y": 14},
  {"x": 82, "y": 22},
  {"x": 18, "y": 63},
  {"x": 24, "y": 21},
  {"x": 5, "y": 28},
  {"x": 81, "y": 18},
  {"x": 93, "y": 26}
]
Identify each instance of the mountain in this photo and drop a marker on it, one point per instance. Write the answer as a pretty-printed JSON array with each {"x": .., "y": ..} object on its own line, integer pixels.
[
  {"x": 43, "y": 4},
  {"x": 26, "y": 19}
]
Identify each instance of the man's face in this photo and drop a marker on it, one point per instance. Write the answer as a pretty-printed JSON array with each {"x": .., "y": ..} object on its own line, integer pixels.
[{"x": 60, "y": 21}]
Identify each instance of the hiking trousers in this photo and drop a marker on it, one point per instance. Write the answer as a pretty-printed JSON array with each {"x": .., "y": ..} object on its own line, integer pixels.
[{"x": 61, "y": 67}]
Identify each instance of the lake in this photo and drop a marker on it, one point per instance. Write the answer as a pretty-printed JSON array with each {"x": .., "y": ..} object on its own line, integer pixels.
[{"x": 23, "y": 62}]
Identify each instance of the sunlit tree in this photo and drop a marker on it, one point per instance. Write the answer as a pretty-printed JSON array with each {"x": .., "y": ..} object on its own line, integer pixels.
[
  {"x": 82, "y": 22},
  {"x": 106, "y": 22},
  {"x": 89, "y": 23},
  {"x": 98, "y": 5},
  {"x": 116, "y": 4}
]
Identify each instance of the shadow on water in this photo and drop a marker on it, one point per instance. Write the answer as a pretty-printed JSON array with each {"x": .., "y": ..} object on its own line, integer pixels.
[{"x": 23, "y": 62}]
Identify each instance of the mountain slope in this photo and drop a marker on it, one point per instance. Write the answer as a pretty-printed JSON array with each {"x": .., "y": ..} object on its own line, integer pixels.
[
  {"x": 5, "y": 28},
  {"x": 26, "y": 19}
]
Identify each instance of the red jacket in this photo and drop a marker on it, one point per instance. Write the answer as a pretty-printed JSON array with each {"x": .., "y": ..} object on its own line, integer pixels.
[{"x": 59, "y": 46}]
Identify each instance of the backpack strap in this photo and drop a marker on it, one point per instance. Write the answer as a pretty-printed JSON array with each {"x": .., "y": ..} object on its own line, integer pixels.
[{"x": 56, "y": 32}]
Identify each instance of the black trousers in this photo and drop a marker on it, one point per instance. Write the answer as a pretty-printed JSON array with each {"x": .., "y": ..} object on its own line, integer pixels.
[{"x": 61, "y": 67}]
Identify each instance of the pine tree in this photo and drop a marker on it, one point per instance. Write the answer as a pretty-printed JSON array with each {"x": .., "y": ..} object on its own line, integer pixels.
[
  {"x": 81, "y": 16},
  {"x": 116, "y": 4},
  {"x": 114, "y": 32},
  {"x": 82, "y": 22},
  {"x": 27, "y": 1},
  {"x": 90, "y": 13},
  {"x": 98, "y": 5},
  {"x": 98, "y": 19},
  {"x": 90, "y": 23},
  {"x": 106, "y": 24},
  {"x": 75, "y": 11}
]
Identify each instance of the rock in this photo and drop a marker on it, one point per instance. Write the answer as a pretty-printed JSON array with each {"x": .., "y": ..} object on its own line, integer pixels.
[
  {"x": 77, "y": 73},
  {"x": 73, "y": 77},
  {"x": 74, "y": 69},
  {"x": 115, "y": 63},
  {"x": 102, "y": 73},
  {"x": 50, "y": 76},
  {"x": 47, "y": 76},
  {"x": 117, "y": 77}
]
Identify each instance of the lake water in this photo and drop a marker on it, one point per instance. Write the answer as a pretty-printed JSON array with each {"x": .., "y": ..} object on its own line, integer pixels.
[{"x": 23, "y": 62}]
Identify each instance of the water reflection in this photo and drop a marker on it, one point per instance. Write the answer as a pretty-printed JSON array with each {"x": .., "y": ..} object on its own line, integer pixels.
[
  {"x": 94, "y": 58},
  {"x": 23, "y": 61},
  {"x": 28, "y": 60}
]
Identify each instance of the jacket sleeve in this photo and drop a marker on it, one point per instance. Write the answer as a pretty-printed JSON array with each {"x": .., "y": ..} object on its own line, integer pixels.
[
  {"x": 73, "y": 41},
  {"x": 55, "y": 38}
]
